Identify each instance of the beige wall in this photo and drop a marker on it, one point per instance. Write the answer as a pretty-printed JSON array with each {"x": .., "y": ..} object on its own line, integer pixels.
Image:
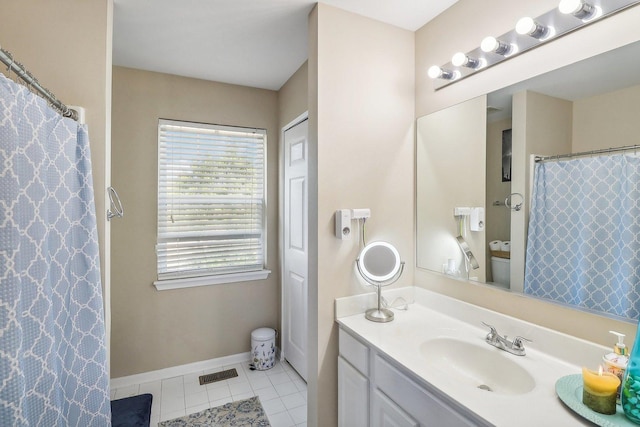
[
  {"x": 362, "y": 113},
  {"x": 607, "y": 120},
  {"x": 66, "y": 45},
  {"x": 464, "y": 25},
  {"x": 293, "y": 96},
  {"x": 159, "y": 329}
]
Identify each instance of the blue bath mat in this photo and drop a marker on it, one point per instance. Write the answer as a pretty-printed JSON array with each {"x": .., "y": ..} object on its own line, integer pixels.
[{"x": 132, "y": 411}]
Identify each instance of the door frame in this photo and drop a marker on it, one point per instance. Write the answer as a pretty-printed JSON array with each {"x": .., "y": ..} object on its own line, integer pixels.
[{"x": 302, "y": 117}]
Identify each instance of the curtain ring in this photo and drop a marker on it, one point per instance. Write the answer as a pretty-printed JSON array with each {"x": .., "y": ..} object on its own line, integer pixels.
[
  {"x": 29, "y": 80},
  {"x": 10, "y": 66}
]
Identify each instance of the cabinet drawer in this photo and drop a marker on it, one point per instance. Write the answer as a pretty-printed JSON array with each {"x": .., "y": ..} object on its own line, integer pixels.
[
  {"x": 354, "y": 352},
  {"x": 421, "y": 404}
]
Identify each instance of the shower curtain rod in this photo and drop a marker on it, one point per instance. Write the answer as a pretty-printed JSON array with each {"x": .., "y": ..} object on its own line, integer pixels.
[
  {"x": 586, "y": 153},
  {"x": 12, "y": 65}
]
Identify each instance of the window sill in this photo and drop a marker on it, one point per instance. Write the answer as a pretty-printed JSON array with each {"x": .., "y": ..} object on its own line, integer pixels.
[{"x": 165, "y": 285}]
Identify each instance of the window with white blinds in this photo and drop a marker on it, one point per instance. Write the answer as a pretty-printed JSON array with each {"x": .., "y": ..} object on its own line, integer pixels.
[{"x": 211, "y": 200}]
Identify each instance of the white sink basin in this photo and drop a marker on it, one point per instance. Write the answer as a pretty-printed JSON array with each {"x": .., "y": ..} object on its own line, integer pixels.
[{"x": 481, "y": 366}]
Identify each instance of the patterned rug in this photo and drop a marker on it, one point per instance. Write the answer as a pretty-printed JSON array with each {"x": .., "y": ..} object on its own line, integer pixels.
[{"x": 248, "y": 412}]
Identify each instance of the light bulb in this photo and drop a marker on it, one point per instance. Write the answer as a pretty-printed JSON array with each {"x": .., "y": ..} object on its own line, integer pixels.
[
  {"x": 436, "y": 72},
  {"x": 527, "y": 26},
  {"x": 569, "y": 7},
  {"x": 578, "y": 8},
  {"x": 461, "y": 59},
  {"x": 491, "y": 44}
]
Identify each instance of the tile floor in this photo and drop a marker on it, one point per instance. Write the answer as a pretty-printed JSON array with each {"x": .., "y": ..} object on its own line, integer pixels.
[{"x": 281, "y": 390}]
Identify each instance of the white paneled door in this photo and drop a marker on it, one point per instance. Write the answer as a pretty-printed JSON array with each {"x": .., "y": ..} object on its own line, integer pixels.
[{"x": 295, "y": 248}]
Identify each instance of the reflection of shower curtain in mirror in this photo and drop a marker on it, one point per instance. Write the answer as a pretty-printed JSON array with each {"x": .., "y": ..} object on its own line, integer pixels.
[
  {"x": 584, "y": 234},
  {"x": 53, "y": 367}
]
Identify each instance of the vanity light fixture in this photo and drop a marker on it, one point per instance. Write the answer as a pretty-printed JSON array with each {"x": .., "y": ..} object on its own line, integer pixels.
[
  {"x": 578, "y": 8},
  {"x": 436, "y": 72},
  {"x": 461, "y": 59},
  {"x": 529, "y": 33},
  {"x": 529, "y": 27},
  {"x": 492, "y": 44}
]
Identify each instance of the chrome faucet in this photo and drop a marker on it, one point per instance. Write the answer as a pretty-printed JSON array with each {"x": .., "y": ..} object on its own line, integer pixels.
[{"x": 514, "y": 347}]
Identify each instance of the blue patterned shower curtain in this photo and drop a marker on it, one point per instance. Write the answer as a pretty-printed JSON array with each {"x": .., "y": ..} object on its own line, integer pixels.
[
  {"x": 583, "y": 244},
  {"x": 53, "y": 367}
]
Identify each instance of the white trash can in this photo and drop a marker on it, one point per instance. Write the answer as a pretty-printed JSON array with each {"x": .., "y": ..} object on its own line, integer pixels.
[{"x": 263, "y": 348}]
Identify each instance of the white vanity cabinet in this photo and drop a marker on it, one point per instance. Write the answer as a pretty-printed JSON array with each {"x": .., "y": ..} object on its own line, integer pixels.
[
  {"x": 402, "y": 373},
  {"x": 375, "y": 391},
  {"x": 353, "y": 382}
]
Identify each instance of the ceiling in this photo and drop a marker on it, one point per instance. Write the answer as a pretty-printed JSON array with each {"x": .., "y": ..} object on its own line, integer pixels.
[{"x": 257, "y": 43}]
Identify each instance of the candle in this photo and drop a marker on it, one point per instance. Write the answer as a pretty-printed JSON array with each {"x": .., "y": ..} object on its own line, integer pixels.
[{"x": 599, "y": 391}]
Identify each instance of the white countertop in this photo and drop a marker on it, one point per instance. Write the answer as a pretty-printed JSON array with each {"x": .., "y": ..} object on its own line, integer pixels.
[{"x": 549, "y": 357}]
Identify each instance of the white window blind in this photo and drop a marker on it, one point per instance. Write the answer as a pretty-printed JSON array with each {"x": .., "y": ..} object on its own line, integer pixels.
[{"x": 211, "y": 200}]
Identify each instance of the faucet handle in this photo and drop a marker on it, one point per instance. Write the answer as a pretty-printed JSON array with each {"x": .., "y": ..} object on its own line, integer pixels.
[
  {"x": 517, "y": 342},
  {"x": 493, "y": 333},
  {"x": 489, "y": 326}
]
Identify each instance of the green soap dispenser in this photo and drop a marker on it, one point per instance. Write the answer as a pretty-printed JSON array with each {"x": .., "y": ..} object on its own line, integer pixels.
[
  {"x": 630, "y": 395},
  {"x": 616, "y": 361}
]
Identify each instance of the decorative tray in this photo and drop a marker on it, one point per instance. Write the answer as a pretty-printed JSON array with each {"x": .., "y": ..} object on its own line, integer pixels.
[{"x": 569, "y": 390}]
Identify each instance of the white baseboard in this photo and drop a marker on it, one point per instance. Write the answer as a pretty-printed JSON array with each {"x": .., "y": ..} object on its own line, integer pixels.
[{"x": 176, "y": 371}]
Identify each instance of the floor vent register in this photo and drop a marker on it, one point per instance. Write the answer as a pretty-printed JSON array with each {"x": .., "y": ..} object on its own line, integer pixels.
[{"x": 218, "y": 376}]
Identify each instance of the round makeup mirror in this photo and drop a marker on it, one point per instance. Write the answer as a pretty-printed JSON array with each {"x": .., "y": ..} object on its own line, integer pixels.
[
  {"x": 378, "y": 262},
  {"x": 379, "y": 265}
]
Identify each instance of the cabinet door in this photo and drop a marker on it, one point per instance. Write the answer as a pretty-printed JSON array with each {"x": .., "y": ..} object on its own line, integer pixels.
[
  {"x": 385, "y": 413},
  {"x": 353, "y": 396}
]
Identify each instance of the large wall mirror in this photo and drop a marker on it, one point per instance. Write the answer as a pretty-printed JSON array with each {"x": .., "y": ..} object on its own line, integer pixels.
[{"x": 478, "y": 154}]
